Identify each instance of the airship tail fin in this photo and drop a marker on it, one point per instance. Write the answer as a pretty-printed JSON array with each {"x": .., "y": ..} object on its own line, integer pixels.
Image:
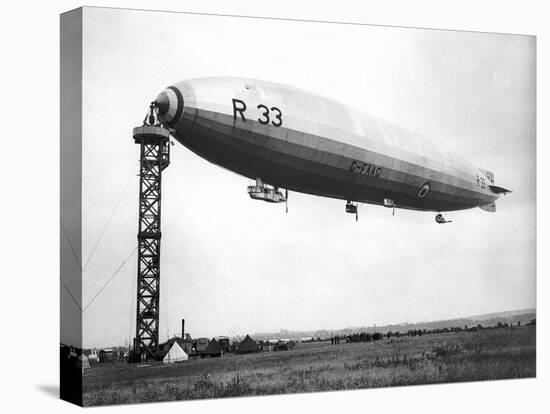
[
  {"x": 491, "y": 208},
  {"x": 494, "y": 188},
  {"x": 499, "y": 190},
  {"x": 490, "y": 176}
]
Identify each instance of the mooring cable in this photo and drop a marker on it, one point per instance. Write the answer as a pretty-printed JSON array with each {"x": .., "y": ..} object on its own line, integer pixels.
[
  {"x": 220, "y": 319},
  {"x": 109, "y": 280},
  {"x": 210, "y": 274},
  {"x": 113, "y": 211},
  {"x": 71, "y": 295}
]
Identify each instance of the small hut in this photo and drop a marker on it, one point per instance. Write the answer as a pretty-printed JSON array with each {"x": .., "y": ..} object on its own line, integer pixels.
[
  {"x": 106, "y": 355},
  {"x": 200, "y": 345},
  {"x": 224, "y": 343}
]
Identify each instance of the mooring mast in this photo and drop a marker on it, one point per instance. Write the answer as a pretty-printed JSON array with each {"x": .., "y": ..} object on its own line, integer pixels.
[{"x": 154, "y": 142}]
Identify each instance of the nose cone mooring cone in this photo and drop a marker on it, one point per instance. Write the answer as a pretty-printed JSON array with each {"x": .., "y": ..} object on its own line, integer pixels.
[
  {"x": 170, "y": 106},
  {"x": 163, "y": 104}
]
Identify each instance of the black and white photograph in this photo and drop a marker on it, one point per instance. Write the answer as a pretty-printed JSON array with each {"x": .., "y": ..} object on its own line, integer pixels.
[{"x": 273, "y": 206}]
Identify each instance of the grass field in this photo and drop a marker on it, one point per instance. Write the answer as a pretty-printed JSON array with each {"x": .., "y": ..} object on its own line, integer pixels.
[{"x": 448, "y": 357}]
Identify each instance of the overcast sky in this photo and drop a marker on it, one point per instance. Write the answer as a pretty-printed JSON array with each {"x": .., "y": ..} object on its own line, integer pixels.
[{"x": 232, "y": 265}]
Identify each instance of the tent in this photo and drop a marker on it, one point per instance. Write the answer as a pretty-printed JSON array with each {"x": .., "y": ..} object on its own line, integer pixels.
[
  {"x": 213, "y": 349},
  {"x": 175, "y": 354},
  {"x": 248, "y": 345},
  {"x": 92, "y": 357},
  {"x": 186, "y": 345}
]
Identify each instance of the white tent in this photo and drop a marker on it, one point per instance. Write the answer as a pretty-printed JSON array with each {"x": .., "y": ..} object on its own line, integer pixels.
[
  {"x": 175, "y": 354},
  {"x": 93, "y": 356}
]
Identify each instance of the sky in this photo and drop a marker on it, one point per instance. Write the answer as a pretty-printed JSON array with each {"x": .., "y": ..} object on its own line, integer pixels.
[{"x": 231, "y": 265}]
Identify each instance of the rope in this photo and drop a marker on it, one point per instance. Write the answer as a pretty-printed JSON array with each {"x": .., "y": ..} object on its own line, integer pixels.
[
  {"x": 109, "y": 280},
  {"x": 224, "y": 322},
  {"x": 71, "y": 295},
  {"x": 103, "y": 231},
  {"x": 210, "y": 273},
  {"x": 214, "y": 287},
  {"x": 76, "y": 258},
  {"x": 221, "y": 318},
  {"x": 211, "y": 307}
]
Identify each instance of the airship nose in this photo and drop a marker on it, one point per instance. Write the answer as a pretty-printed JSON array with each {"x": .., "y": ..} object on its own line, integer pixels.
[
  {"x": 170, "y": 106},
  {"x": 163, "y": 104}
]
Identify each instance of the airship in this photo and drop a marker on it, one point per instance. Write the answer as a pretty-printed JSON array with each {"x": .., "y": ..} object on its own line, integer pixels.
[{"x": 286, "y": 138}]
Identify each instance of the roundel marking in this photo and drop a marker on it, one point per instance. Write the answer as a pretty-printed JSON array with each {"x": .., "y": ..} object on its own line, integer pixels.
[
  {"x": 424, "y": 190},
  {"x": 179, "y": 108}
]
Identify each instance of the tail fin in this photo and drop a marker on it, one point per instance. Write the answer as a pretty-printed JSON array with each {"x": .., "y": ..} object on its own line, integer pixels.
[
  {"x": 491, "y": 177},
  {"x": 491, "y": 208},
  {"x": 499, "y": 190},
  {"x": 488, "y": 174}
]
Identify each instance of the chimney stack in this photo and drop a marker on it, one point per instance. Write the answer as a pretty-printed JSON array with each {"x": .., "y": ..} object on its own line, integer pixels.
[{"x": 183, "y": 328}]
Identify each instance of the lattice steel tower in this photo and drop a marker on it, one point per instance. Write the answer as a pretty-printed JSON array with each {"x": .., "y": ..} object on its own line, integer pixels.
[{"x": 154, "y": 142}]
